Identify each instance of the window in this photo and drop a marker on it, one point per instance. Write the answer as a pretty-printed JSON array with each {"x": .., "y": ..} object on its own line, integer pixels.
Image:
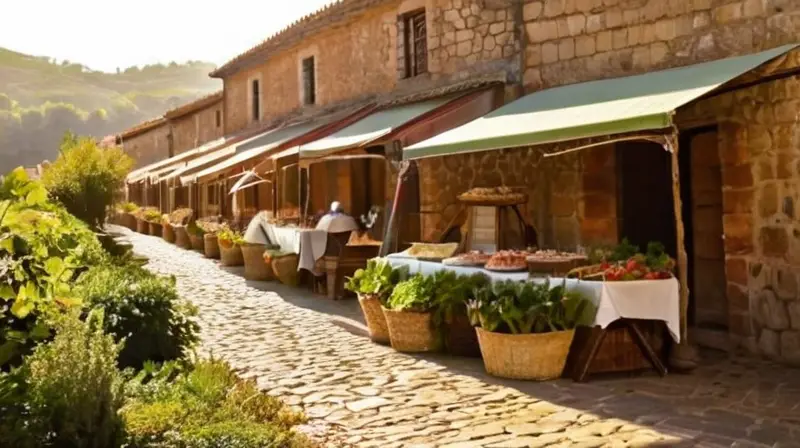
[
  {"x": 219, "y": 118},
  {"x": 309, "y": 82},
  {"x": 211, "y": 192},
  {"x": 415, "y": 44},
  {"x": 256, "y": 99}
]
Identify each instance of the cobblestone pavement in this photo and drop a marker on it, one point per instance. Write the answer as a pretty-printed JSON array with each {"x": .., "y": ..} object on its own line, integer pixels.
[{"x": 357, "y": 393}]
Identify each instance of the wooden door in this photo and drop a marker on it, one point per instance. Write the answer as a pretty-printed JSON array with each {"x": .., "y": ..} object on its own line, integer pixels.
[{"x": 708, "y": 251}]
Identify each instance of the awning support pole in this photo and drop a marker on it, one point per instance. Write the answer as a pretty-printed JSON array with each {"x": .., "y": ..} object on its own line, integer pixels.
[{"x": 683, "y": 356}]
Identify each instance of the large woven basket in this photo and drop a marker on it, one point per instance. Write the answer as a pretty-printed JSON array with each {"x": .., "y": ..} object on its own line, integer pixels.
[
  {"x": 540, "y": 356},
  {"x": 376, "y": 321},
  {"x": 411, "y": 332},
  {"x": 168, "y": 233},
  {"x": 210, "y": 246},
  {"x": 142, "y": 226},
  {"x": 231, "y": 256},
  {"x": 155, "y": 229},
  {"x": 129, "y": 221},
  {"x": 460, "y": 337},
  {"x": 285, "y": 269},
  {"x": 182, "y": 237},
  {"x": 197, "y": 242},
  {"x": 255, "y": 268}
]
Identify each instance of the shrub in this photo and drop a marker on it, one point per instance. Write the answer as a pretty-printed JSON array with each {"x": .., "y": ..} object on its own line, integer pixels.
[
  {"x": 228, "y": 237},
  {"x": 42, "y": 249},
  {"x": 85, "y": 178},
  {"x": 128, "y": 207},
  {"x": 208, "y": 406},
  {"x": 142, "y": 308},
  {"x": 74, "y": 389}
]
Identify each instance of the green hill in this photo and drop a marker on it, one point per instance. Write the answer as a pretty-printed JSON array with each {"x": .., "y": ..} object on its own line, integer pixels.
[{"x": 41, "y": 99}]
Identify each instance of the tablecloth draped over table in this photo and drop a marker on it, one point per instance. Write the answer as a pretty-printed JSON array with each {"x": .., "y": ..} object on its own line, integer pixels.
[
  {"x": 643, "y": 299},
  {"x": 309, "y": 244}
]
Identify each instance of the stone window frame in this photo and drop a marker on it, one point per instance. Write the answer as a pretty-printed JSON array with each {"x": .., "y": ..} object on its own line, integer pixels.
[
  {"x": 303, "y": 55},
  {"x": 407, "y": 12},
  {"x": 250, "y": 118}
]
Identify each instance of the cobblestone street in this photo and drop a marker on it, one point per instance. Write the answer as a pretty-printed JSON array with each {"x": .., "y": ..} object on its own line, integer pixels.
[{"x": 312, "y": 353}]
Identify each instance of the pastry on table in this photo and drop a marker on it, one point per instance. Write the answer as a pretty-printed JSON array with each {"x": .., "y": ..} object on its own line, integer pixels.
[
  {"x": 473, "y": 258},
  {"x": 508, "y": 260}
]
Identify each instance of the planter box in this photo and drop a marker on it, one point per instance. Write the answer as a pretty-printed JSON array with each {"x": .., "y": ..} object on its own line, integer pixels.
[
  {"x": 197, "y": 242},
  {"x": 376, "y": 321},
  {"x": 411, "y": 332},
  {"x": 155, "y": 229},
  {"x": 460, "y": 336},
  {"x": 129, "y": 221},
  {"x": 231, "y": 256},
  {"x": 538, "y": 357},
  {"x": 285, "y": 269},
  {"x": 142, "y": 226},
  {"x": 182, "y": 237},
  {"x": 255, "y": 268},
  {"x": 168, "y": 233},
  {"x": 210, "y": 246}
]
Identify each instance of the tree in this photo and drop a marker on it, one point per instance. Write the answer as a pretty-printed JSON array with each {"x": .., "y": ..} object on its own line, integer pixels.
[{"x": 86, "y": 177}]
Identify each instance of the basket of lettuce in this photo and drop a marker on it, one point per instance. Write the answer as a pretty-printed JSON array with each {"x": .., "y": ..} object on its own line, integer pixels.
[
  {"x": 451, "y": 294},
  {"x": 525, "y": 330},
  {"x": 409, "y": 316},
  {"x": 373, "y": 285}
]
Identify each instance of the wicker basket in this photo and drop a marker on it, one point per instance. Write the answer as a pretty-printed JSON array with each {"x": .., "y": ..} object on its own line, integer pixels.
[
  {"x": 182, "y": 237},
  {"x": 376, "y": 321},
  {"x": 142, "y": 226},
  {"x": 285, "y": 269},
  {"x": 618, "y": 353},
  {"x": 129, "y": 221},
  {"x": 460, "y": 337},
  {"x": 411, "y": 332},
  {"x": 255, "y": 268},
  {"x": 155, "y": 229},
  {"x": 540, "y": 356},
  {"x": 210, "y": 246},
  {"x": 231, "y": 256},
  {"x": 168, "y": 233},
  {"x": 197, "y": 241}
]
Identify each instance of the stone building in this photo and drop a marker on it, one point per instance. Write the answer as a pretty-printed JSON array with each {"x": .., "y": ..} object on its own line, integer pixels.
[
  {"x": 147, "y": 142},
  {"x": 740, "y": 175},
  {"x": 196, "y": 123}
]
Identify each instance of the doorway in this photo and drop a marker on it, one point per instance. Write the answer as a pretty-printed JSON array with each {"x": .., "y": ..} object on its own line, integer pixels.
[
  {"x": 645, "y": 204},
  {"x": 701, "y": 191}
]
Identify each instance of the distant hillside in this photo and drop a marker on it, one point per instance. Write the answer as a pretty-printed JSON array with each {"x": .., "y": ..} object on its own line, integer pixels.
[{"x": 41, "y": 99}]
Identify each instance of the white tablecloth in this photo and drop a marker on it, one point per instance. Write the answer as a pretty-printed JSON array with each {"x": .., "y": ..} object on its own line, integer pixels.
[
  {"x": 308, "y": 243},
  {"x": 644, "y": 299}
]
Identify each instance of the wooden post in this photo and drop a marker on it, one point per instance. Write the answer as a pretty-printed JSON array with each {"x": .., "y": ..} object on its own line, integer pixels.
[{"x": 671, "y": 145}]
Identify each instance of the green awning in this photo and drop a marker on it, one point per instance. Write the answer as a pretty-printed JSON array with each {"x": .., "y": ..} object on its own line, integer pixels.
[
  {"x": 370, "y": 128},
  {"x": 590, "y": 109}
]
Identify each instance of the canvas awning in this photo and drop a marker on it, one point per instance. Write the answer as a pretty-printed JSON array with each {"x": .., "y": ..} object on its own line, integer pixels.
[
  {"x": 201, "y": 162},
  {"x": 591, "y": 109},
  {"x": 370, "y": 128},
  {"x": 174, "y": 162},
  {"x": 253, "y": 148}
]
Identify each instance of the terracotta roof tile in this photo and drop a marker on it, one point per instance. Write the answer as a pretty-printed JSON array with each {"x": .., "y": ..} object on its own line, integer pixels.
[
  {"x": 141, "y": 128},
  {"x": 195, "y": 105}
]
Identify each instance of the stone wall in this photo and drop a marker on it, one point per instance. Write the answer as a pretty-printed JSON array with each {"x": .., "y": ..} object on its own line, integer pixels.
[
  {"x": 196, "y": 128},
  {"x": 358, "y": 59},
  {"x": 579, "y": 40},
  {"x": 759, "y": 146},
  {"x": 150, "y": 146}
]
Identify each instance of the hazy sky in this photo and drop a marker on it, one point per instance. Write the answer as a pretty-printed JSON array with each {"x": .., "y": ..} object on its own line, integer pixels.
[{"x": 106, "y": 34}]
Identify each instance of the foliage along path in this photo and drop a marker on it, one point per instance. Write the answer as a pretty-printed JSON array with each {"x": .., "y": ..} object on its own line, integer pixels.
[{"x": 357, "y": 393}]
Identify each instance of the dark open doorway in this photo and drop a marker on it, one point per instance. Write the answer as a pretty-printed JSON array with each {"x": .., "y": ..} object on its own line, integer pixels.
[{"x": 645, "y": 204}]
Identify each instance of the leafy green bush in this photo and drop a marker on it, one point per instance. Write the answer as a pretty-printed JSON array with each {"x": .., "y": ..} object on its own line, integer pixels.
[
  {"x": 74, "y": 389},
  {"x": 524, "y": 307},
  {"x": 414, "y": 294},
  {"x": 85, "y": 178},
  {"x": 142, "y": 308},
  {"x": 208, "y": 406},
  {"x": 228, "y": 237},
  {"x": 377, "y": 279},
  {"x": 42, "y": 249},
  {"x": 127, "y": 207}
]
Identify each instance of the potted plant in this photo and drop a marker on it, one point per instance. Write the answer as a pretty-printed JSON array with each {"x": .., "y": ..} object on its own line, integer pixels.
[
  {"x": 196, "y": 234},
  {"x": 373, "y": 285},
  {"x": 409, "y": 316},
  {"x": 230, "y": 246},
  {"x": 153, "y": 218},
  {"x": 167, "y": 232},
  {"x": 451, "y": 294},
  {"x": 127, "y": 218},
  {"x": 142, "y": 226},
  {"x": 525, "y": 330},
  {"x": 283, "y": 265},
  {"x": 210, "y": 227}
]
